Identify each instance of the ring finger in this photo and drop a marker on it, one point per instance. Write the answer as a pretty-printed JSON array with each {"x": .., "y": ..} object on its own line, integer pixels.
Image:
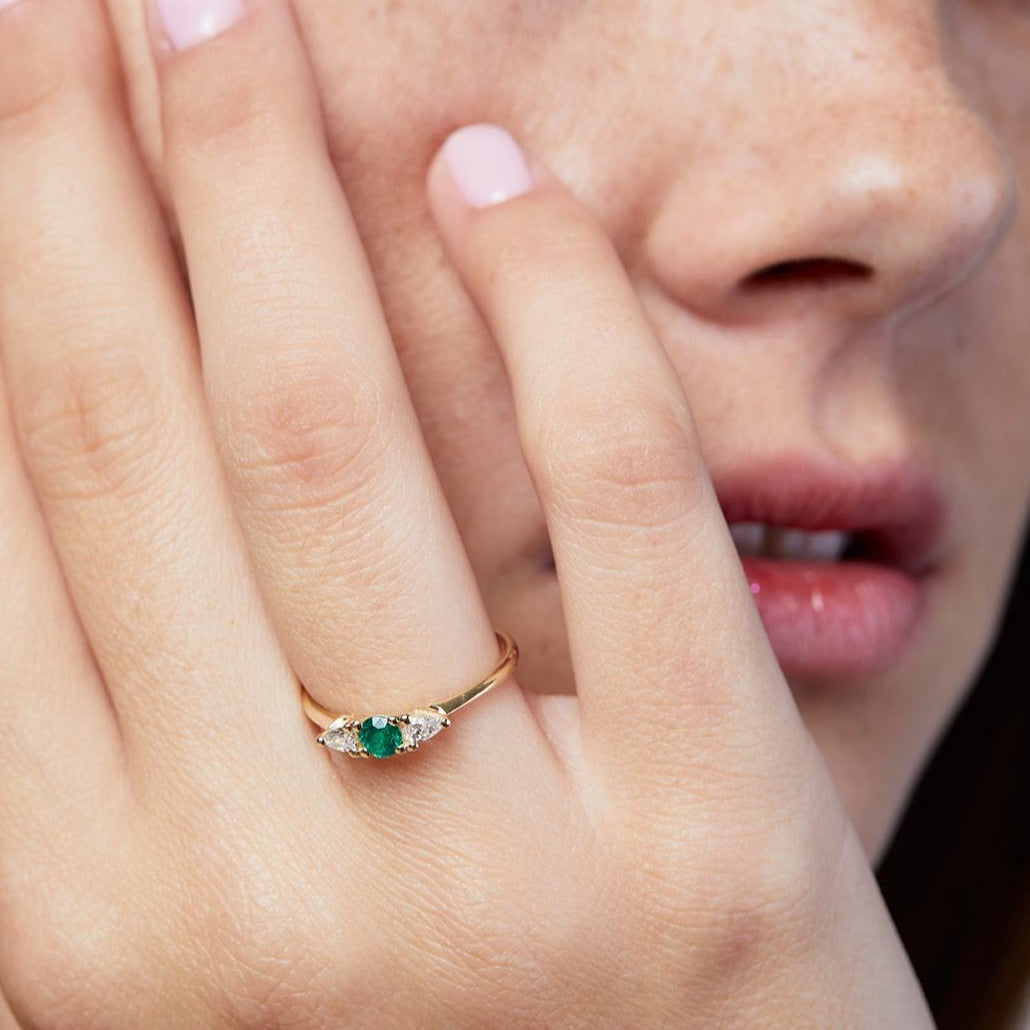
[{"x": 106, "y": 400}]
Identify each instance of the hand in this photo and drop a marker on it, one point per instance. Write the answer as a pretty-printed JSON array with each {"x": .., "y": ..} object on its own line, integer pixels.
[{"x": 664, "y": 850}]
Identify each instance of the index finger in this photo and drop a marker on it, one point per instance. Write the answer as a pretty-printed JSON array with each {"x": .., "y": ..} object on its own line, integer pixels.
[{"x": 668, "y": 649}]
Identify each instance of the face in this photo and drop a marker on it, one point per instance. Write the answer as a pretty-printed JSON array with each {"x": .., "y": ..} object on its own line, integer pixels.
[{"x": 817, "y": 205}]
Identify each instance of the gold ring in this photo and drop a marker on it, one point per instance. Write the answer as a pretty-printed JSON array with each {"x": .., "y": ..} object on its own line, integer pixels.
[{"x": 380, "y": 736}]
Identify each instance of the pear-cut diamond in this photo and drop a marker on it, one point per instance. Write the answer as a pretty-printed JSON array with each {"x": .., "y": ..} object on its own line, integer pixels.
[
  {"x": 342, "y": 735},
  {"x": 381, "y": 736},
  {"x": 422, "y": 724}
]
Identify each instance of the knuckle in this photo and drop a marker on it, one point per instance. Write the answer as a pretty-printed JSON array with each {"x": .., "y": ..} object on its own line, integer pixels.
[
  {"x": 627, "y": 461},
  {"x": 50, "y": 65},
  {"x": 64, "y": 960},
  {"x": 262, "y": 983},
  {"x": 96, "y": 425},
  {"x": 531, "y": 249},
  {"x": 272, "y": 946},
  {"x": 31, "y": 99},
  {"x": 765, "y": 897},
  {"x": 212, "y": 106},
  {"x": 762, "y": 887},
  {"x": 306, "y": 436},
  {"x": 774, "y": 894}
]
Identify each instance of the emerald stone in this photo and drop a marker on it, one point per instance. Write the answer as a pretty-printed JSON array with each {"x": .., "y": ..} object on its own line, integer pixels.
[{"x": 379, "y": 737}]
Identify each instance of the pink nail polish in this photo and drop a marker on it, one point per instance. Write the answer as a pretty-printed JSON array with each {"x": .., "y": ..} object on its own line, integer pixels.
[
  {"x": 187, "y": 22},
  {"x": 487, "y": 165}
]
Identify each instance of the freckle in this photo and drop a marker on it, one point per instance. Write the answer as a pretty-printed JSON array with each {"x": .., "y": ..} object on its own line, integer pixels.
[{"x": 756, "y": 588}]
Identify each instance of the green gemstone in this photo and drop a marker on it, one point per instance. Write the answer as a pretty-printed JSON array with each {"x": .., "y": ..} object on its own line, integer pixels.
[{"x": 379, "y": 737}]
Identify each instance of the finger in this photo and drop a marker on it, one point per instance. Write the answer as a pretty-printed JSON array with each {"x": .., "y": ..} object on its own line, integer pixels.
[
  {"x": 61, "y": 753},
  {"x": 361, "y": 564},
  {"x": 107, "y": 401},
  {"x": 63, "y": 791},
  {"x": 7, "y": 1020},
  {"x": 668, "y": 650}
]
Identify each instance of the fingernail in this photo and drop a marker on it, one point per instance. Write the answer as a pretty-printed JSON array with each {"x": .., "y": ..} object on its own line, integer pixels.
[
  {"x": 186, "y": 22},
  {"x": 487, "y": 165}
]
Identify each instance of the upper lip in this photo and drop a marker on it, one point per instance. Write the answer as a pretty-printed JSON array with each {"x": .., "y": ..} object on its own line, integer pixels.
[{"x": 894, "y": 511}]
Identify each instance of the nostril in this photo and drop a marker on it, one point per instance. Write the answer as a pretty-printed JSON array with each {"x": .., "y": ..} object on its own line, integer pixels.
[{"x": 811, "y": 272}]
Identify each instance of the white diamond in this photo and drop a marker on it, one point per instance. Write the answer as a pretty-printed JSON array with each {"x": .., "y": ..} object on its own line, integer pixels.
[
  {"x": 421, "y": 725},
  {"x": 342, "y": 736}
]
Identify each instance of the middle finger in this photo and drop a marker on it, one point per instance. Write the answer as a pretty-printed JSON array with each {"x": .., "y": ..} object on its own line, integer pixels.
[{"x": 362, "y": 565}]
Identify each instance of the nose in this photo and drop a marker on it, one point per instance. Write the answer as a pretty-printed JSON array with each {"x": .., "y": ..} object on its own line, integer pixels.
[{"x": 865, "y": 193}]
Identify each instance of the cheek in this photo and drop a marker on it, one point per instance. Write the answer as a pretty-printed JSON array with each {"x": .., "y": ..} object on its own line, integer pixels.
[
  {"x": 395, "y": 78},
  {"x": 974, "y": 402}
]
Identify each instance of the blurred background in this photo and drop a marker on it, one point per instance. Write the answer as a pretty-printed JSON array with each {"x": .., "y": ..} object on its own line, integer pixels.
[{"x": 957, "y": 875}]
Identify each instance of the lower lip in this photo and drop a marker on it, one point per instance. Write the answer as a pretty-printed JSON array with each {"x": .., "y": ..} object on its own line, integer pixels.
[{"x": 836, "y": 619}]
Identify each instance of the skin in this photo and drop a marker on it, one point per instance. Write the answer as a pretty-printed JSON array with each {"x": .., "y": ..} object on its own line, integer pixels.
[
  {"x": 936, "y": 95},
  {"x": 728, "y": 877}
]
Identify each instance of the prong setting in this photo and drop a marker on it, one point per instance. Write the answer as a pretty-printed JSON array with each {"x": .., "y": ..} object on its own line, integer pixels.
[
  {"x": 352, "y": 736},
  {"x": 381, "y": 736}
]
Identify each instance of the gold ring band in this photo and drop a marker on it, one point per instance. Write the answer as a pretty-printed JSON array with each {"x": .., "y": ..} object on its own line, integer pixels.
[{"x": 380, "y": 736}]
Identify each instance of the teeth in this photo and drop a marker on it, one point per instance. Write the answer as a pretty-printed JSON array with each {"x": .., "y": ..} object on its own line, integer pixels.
[
  {"x": 749, "y": 537},
  {"x": 757, "y": 540},
  {"x": 827, "y": 546},
  {"x": 799, "y": 545}
]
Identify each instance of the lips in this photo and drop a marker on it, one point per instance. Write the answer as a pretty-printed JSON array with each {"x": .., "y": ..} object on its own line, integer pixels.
[{"x": 839, "y": 561}]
